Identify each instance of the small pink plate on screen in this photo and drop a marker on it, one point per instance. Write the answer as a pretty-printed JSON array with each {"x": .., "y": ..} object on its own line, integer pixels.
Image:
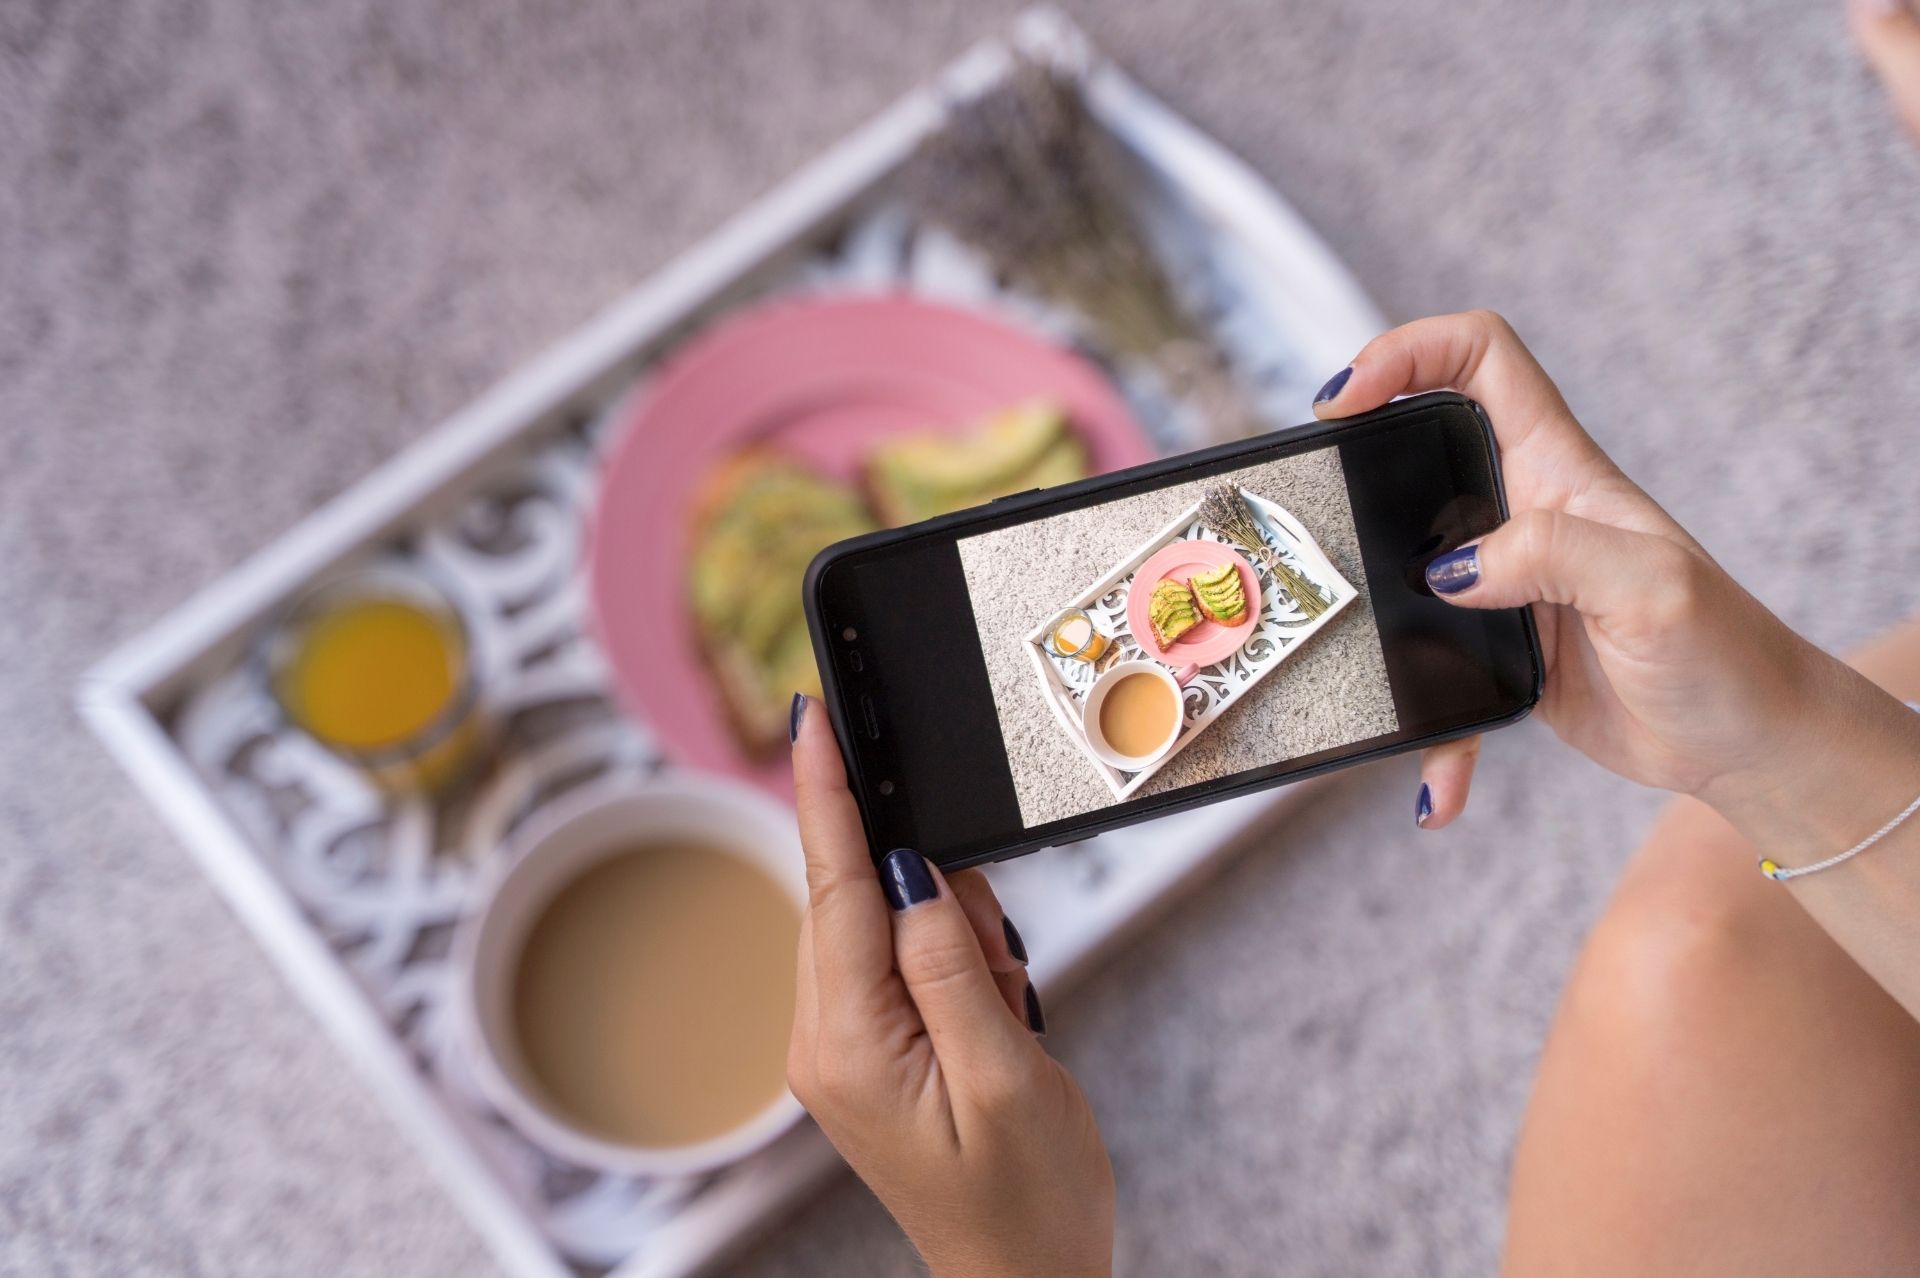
[
  {"x": 821, "y": 381},
  {"x": 1209, "y": 641}
]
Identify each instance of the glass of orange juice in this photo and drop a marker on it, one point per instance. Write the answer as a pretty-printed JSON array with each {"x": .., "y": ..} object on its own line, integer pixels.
[
  {"x": 375, "y": 665},
  {"x": 1074, "y": 635}
]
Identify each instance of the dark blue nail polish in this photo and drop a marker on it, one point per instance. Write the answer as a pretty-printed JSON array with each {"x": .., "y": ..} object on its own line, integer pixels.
[
  {"x": 1036, "y": 1019},
  {"x": 905, "y": 876},
  {"x": 1016, "y": 946},
  {"x": 1423, "y": 806},
  {"x": 1335, "y": 384},
  {"x": 1453, "y": 572},
  {"x": 795, "y": 715}
]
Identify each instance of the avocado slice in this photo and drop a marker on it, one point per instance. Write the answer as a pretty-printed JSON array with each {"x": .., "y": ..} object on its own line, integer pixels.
[
  {"x": 1171, "y": 611},
  {"x": 1219, "y": 593},
  {"x": 1026, "y": 446}
]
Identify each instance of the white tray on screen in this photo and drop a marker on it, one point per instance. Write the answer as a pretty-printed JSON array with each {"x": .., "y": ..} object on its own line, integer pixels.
[
  {"x": 1281, "y": 630},
  {"x": 352, "y": 898}
]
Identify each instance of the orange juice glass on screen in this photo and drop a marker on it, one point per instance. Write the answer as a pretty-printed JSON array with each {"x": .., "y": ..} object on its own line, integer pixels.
[
  {"x": 1074, "y": 635},
  {"x": 375, "y": 665}
]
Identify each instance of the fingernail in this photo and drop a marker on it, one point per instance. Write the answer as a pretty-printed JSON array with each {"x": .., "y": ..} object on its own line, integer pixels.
[
  {"x": 1423, "y": 806},
  {"x": 1014, "y": 943},
  {"x": 906, "y": 878},
  {"x": 795, "y": 715},
  {"x": 1036, "y": 1019},
  {"x": 1453, "y": 572},
  {"x": 1335, "y": 384}
]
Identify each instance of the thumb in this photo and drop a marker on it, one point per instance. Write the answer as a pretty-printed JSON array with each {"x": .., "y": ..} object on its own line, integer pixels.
[
  {"x": 1548, "y": 556},
  {"x": 939, "y": 957}
]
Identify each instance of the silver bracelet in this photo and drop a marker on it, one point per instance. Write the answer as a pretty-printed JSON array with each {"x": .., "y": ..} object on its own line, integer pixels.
[{"x": 1773, "y": 870}]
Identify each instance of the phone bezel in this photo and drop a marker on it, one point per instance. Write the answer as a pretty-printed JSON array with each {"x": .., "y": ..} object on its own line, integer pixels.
[{"x": 1100, "y": 820}]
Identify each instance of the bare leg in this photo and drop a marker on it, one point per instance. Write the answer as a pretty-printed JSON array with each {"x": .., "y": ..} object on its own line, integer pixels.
[{"x": 1723, "y": 1091}]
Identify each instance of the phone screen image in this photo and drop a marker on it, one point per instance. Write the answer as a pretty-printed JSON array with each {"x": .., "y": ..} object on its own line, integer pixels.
[
  {"x": 1006, "y": 680},
  {"x": 1283, "y": 687}
]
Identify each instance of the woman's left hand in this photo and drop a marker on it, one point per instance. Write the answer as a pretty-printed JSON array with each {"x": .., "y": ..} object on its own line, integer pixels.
[{"x": 915, "y": 1048}]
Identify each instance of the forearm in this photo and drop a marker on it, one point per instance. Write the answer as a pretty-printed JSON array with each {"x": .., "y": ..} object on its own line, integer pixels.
[{"x": 1851, "y": 762}]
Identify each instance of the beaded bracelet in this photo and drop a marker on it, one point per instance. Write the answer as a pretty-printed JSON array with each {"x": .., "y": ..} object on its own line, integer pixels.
[{"x": 1773, "y": 870}]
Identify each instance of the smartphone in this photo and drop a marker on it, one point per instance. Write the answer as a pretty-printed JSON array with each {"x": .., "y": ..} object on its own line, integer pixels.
[{"x": 970, "y": 737}]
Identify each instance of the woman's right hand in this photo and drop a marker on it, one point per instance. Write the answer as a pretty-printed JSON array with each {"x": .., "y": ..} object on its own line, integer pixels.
[
  {"x": 915, "y": 1048},
  {"x": 1660, "y": 666}
]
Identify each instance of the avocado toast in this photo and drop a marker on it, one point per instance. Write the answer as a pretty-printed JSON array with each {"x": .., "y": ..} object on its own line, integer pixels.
[
  {"x": 1027, "y": 445},
  {"x": 1171, "y": 611},
  {"x": 758, "y": 520},
  {"x": 1220, "y": 594}
]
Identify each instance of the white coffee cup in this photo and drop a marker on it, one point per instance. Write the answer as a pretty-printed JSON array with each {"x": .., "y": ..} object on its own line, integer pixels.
[
  {"x": 1097, "y": 695},
  {"x": 553, "y": 849}
]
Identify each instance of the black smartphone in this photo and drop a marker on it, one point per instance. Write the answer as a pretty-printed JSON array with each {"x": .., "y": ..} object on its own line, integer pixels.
[{"x": 960, "y": 679}]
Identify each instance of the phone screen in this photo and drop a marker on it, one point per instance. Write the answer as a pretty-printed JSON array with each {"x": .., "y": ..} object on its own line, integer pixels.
[{"x": 968, "y": 657}]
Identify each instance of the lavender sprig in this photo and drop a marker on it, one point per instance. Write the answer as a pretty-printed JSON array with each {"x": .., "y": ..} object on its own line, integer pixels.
[
  {"x": 1225, "y": 511},
  {"x": 1026, "y": 175}
]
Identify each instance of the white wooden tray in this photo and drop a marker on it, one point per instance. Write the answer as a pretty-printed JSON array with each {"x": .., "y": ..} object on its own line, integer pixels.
[
  {"x": 353, "y": 898},
  {"x": 1282, "y": 629}
]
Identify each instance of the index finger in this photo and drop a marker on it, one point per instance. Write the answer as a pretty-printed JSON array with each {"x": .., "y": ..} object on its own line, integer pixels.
[
  {"x": 851, "y": 925},
  {"x": 1476, "y": 353}
]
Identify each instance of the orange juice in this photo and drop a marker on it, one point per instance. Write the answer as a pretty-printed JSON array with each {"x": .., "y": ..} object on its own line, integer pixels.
[
  {"x": 372, "y": 674},
  {"x": 375, "y": 668},
  {"x": 1075, "y": 635}
]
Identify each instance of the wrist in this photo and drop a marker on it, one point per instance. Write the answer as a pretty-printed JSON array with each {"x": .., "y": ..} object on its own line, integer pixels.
[
  {"x": 1844, "y": 756},
  {"x": 1019, "y": 1253}
]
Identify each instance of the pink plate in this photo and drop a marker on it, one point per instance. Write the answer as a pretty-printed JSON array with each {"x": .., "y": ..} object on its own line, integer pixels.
[
  {"x": 1209, "y": 641},
  {"x": 819, "y": 380}
]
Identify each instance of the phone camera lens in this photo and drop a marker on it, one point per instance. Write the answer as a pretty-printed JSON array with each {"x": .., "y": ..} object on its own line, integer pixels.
[
  {"x": 886, "y": 787},
  {"x": 849, "y": 634}
]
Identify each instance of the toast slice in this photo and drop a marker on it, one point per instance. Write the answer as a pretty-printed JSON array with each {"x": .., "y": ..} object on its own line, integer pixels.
[
  {"x": 757, "y": 521},
  {"x": 1220, "y": 594},
  {"x": 1171, "y": 611},
  {"x": 1027, "y": 445}
]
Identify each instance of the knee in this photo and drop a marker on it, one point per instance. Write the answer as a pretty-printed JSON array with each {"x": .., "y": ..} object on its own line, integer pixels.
[{"x": 1679, "y": 950}]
